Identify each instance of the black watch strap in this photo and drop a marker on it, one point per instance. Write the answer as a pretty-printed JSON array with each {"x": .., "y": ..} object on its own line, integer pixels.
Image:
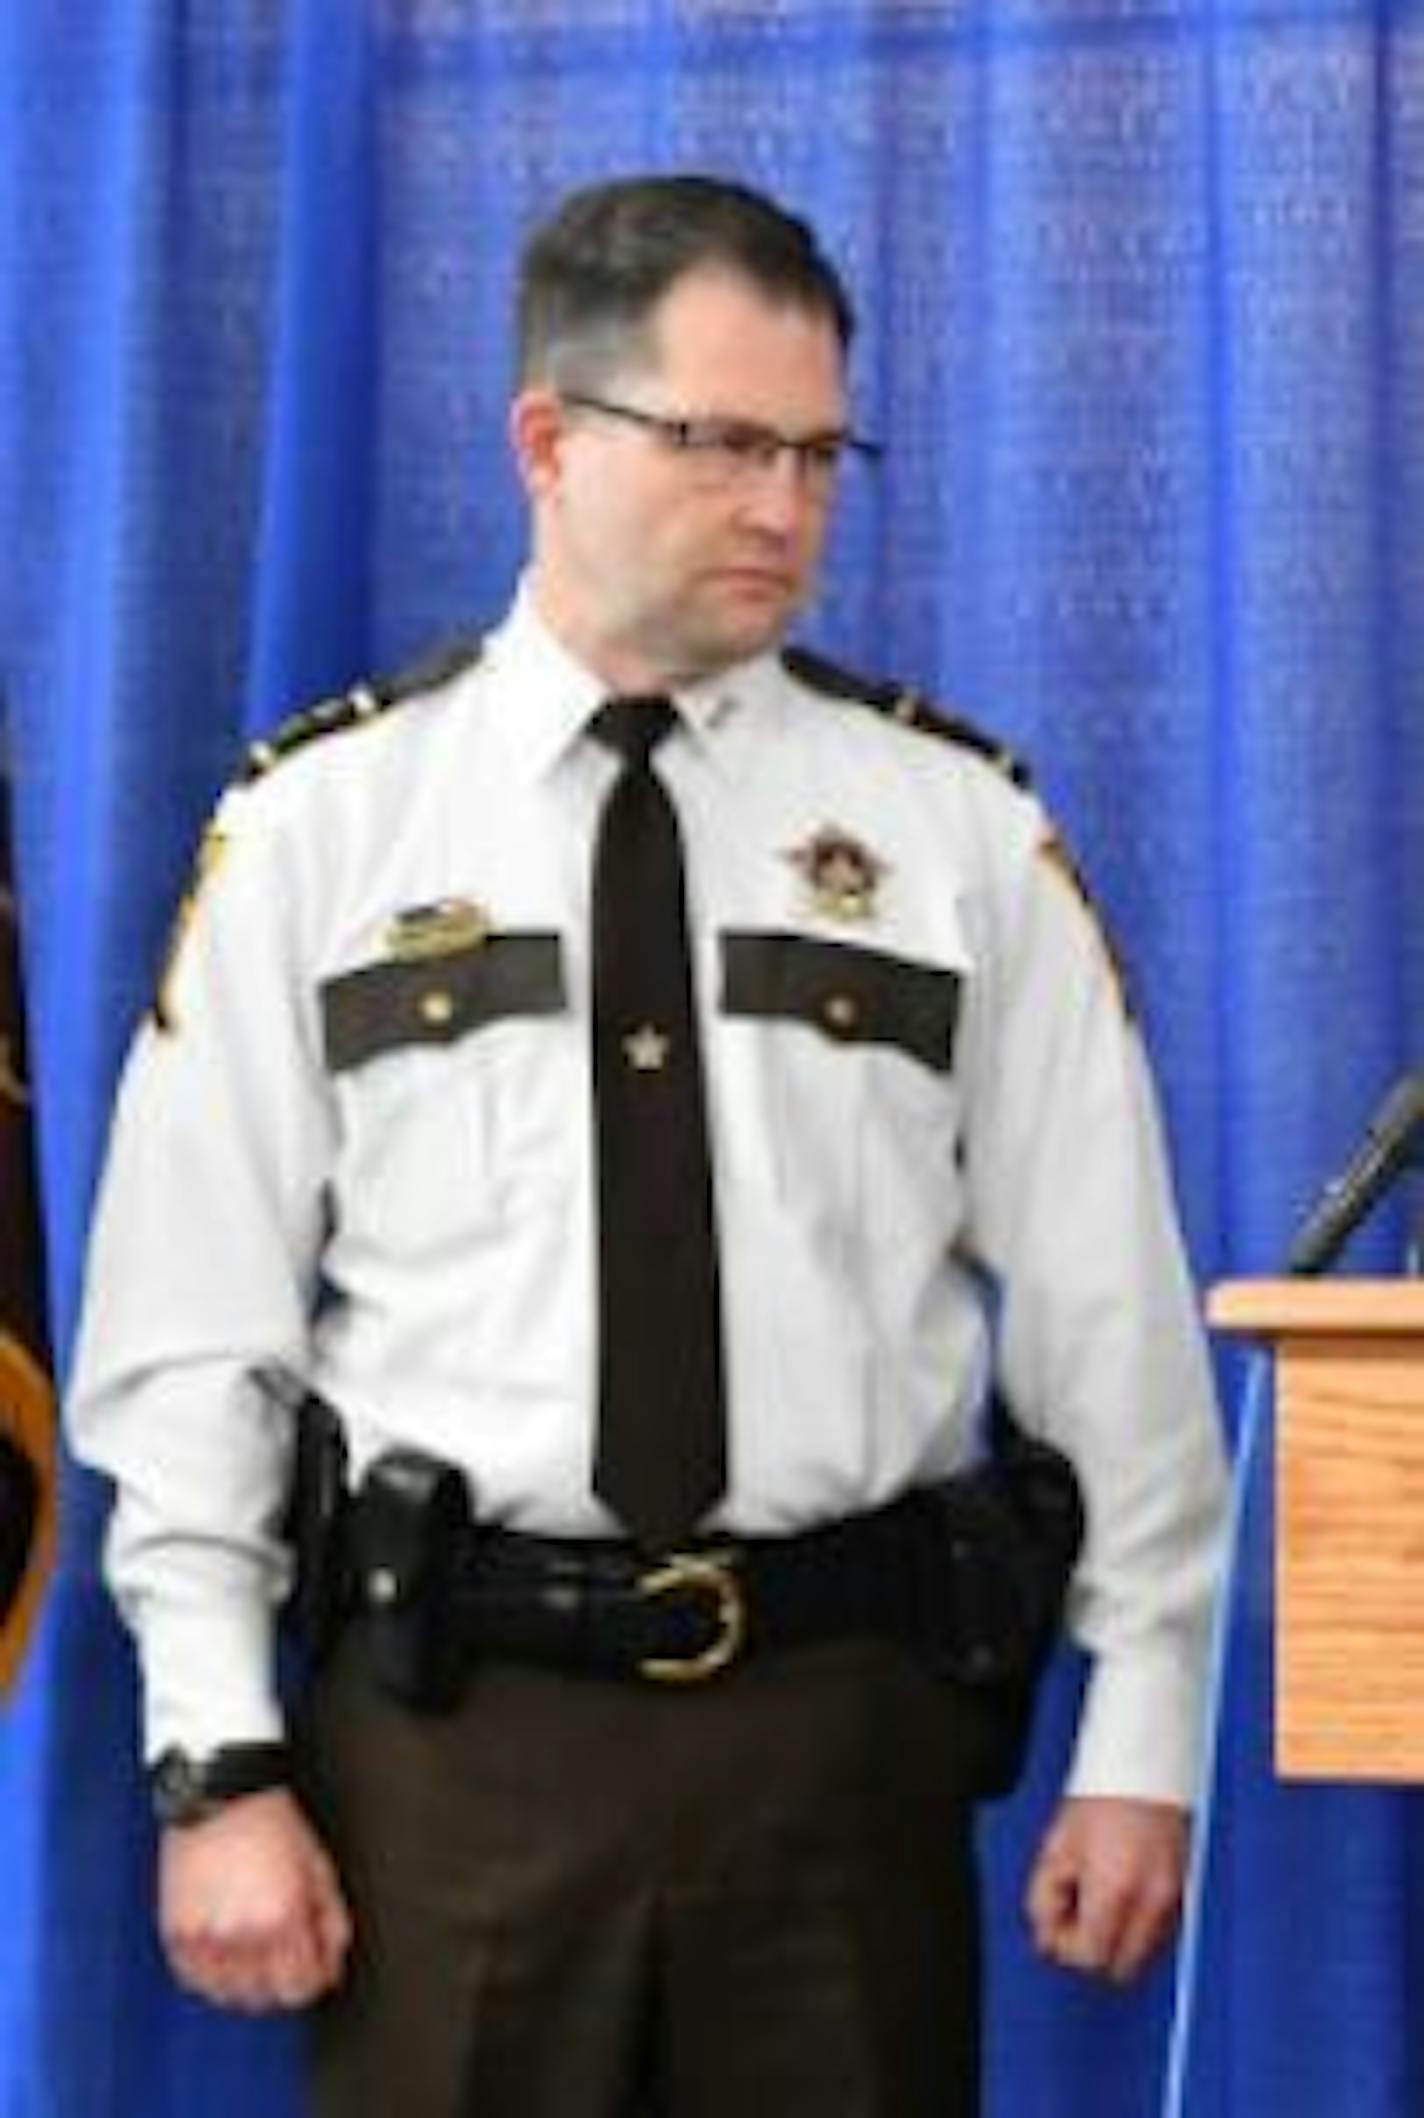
[{"x": 186, "y": 1789}]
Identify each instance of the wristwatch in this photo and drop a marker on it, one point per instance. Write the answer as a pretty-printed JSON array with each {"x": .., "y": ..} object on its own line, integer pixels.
[{"x": 186, "y": 1789}]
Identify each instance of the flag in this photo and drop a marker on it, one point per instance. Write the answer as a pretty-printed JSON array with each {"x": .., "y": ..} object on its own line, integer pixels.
[{"x": 27, "y": 1405}]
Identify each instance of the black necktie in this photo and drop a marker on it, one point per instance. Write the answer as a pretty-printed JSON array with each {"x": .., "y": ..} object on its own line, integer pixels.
[{"x": 661, "y": 1457}]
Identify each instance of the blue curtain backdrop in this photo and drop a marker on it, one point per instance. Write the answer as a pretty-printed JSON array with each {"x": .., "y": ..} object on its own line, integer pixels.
[{"x": 1143, "y": 330}]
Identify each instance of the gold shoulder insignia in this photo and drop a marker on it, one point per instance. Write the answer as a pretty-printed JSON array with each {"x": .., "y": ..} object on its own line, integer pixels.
[{"x": 908, "y": 708}]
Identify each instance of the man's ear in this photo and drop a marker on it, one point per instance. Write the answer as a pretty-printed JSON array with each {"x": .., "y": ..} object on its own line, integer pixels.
[{"x": 537, "y": 425}]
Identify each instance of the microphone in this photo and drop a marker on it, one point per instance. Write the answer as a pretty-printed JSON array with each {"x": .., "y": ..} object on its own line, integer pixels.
[{"x": 1394, "y": 1139}]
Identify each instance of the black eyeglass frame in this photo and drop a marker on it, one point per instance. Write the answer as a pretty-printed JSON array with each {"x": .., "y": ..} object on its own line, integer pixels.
[{"x": 736, "y": 441}]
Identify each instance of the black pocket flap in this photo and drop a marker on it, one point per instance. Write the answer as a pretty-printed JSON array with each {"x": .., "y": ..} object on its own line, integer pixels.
[
  {"x": 385, "y": 1006},
  {"x": 854, "y": 995}
]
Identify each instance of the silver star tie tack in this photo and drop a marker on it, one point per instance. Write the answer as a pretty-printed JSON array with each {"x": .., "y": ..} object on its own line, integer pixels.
[{"x": 646, "y": 1049}]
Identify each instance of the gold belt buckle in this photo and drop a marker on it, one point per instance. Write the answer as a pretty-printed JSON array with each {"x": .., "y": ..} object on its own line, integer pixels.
[{"x": 706, "y": 1574}]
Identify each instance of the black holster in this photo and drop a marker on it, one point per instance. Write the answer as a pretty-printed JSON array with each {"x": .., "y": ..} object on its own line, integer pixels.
[
  {"x": 316, "y": 1526},
  {"x": 996, "y": 1554},
  {"x": 412, "y": 1529}
]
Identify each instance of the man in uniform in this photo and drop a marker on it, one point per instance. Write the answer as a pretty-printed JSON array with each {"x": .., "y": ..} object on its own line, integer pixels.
[{"x": 645, "y": 1086}]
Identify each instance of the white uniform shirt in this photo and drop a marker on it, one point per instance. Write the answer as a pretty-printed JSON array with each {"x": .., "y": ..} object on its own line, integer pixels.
[{"x": 386, "y": 1180}]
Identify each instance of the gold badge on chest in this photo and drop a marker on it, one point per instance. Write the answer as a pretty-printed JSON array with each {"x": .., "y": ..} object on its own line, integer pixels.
[
  {"x": 841, "y": 874},
  {"x": 442, "y": 928}
]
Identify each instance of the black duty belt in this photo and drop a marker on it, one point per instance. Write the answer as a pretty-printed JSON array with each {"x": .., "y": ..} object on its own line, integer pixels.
[
  {"x": 970, "y": 1572},
  {"x": 599, "y": 1607}
]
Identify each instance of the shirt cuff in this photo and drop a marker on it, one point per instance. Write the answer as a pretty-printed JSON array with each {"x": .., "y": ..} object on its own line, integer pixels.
[
  {"x": 1141, "y": 1730},
  {"x": 208, "y": 1678}
]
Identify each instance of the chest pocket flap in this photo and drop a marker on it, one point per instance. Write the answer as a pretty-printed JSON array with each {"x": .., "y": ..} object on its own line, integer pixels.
[
  {"x": 390, "y": 1005},
  {"x": 851, "y": 994}
]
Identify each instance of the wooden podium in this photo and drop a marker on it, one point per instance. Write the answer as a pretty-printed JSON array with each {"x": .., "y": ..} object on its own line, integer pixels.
[{"x": 1349, "y": 1519}]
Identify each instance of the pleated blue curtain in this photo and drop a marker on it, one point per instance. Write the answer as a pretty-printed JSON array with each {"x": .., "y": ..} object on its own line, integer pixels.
[{"x": 1141, "y": 283}]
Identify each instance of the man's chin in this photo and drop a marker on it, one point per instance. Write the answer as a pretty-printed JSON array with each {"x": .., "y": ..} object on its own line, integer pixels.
[{"x": 755, "y": 625}]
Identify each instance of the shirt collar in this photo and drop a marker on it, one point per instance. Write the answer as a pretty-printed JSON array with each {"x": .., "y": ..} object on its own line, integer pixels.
[
  {"x": 547, "y": 696},
  {"x": 723, "y": 711},
  {"x": 553, "y": 696}
]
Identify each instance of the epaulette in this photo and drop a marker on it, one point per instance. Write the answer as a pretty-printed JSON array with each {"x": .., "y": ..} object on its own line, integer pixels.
[
  {"x": 907, "y": 708},
  {"x": 360, "y": 704},
  {"x": 355, "y": 708}
]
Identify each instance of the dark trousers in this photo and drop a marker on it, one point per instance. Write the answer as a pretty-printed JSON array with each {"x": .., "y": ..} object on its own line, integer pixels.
[{"x": 579, "y": 1898}]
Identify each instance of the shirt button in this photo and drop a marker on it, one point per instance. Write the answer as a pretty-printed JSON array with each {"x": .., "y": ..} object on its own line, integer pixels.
[
  {"x": 436, "y": 1008},
  {"x": 840, "y": 1012}
]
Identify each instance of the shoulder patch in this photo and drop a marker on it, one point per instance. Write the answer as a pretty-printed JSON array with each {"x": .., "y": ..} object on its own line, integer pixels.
[
  {"x": 211, "y": 848},
  {"x": 906, "y": 707},
  {"x": 360, "y": 704},
  {"x": 1056, "y": 852}
]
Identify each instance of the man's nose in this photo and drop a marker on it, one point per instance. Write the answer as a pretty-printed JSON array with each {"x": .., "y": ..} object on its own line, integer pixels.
[{"x": 780, "y": 490}]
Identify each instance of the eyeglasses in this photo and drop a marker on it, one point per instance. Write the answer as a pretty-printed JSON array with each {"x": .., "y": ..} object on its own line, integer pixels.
[{"x": 734, "y": 451}]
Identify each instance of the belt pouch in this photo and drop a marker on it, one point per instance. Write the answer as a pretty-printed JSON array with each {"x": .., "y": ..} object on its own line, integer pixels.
[
  {"x": 414, "y": 1525},
  {"x": 997, "y": 1547}
]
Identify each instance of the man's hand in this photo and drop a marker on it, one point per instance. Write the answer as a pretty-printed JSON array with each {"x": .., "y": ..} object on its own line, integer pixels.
[
  {"x": 1107, "y": 1885},
  {"x": 250, "y": 1910}
]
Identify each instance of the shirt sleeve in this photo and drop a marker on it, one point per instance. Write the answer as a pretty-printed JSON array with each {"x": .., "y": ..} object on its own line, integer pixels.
[
  {"x": 1101, "y": 1347},
  {"x": 202, "y": 1265}
]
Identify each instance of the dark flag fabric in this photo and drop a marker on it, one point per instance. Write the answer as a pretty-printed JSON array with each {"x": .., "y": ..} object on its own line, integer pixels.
[{"x": 27, "y": 1405}]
